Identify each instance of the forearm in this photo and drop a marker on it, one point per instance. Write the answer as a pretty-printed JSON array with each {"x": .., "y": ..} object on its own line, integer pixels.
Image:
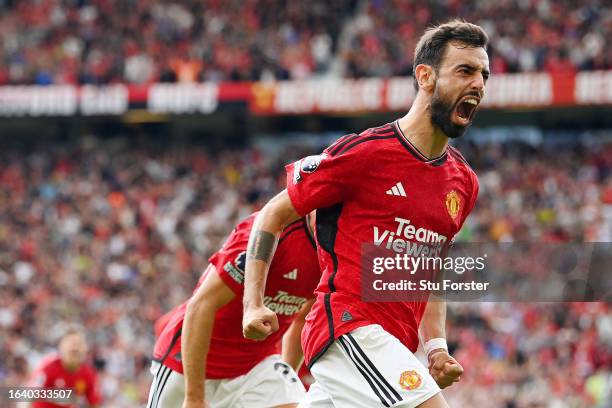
[
  {"x": 263, "y": 240},
  {"x": 195, "y": 343},
  {"x": 292, "y": 344},
  {"x": 433, "y": 324},
  {"x": 292, "y": 353}
]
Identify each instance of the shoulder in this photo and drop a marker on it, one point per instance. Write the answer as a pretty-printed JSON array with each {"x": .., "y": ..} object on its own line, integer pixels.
[
  {"x": 461, "y": 161},
  {"x": 247, "y": 223},
  {"x": 49, "y": 361},
  {"x": 366, "y": 142},
  {"x": 240, "y": 234},
  {"x": 463, "y": 166}
]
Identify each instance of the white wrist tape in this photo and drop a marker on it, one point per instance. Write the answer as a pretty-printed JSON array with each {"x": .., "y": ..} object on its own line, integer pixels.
[{"x": 438, "y": 343}]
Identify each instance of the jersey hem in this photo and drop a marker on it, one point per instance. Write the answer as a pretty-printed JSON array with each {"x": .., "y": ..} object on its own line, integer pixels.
[{"x": 337, "y": 333}]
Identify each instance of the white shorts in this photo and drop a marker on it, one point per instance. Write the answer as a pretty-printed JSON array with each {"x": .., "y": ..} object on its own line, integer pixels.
[
  {"x": 369, "y": 368},
  {"x": 269, "y": 384}
]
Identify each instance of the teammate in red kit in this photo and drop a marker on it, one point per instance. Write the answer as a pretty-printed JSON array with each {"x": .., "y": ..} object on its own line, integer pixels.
[
  {"x": 68, "y": 370},
  {"x": 201, "y": 353},
  {"x": 404, "y": 178}
]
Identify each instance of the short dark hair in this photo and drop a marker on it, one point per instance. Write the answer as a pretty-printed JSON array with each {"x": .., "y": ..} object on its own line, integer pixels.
[{"x": 432, "y": 45}]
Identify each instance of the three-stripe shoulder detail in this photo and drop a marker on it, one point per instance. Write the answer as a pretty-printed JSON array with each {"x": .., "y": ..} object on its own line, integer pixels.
[
  {"x": 347, "y": 143},
  {"x": 457, "y": 155}
]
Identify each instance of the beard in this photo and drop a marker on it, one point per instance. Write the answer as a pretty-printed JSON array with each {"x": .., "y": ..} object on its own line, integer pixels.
[{"x": 441, "y": 113}]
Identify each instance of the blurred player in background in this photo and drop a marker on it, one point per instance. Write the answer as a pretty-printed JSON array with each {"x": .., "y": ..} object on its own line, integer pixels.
[
  {"x": 402, "y": 178},
  {"x": 201, "y": 353},
  {"x": 68, "y": 369}
]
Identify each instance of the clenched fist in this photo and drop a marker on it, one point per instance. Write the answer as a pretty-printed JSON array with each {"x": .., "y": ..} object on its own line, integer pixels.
[
  {"x": 258, "y": 323},
  {"x": 444, "y": 368}
]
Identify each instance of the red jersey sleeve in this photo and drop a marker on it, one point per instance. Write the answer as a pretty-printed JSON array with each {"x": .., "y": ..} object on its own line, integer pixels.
[
  {"x": 323, "y": 180},
  {"x": 93, "y": 396},
  {"x": 230, "y": 260}
]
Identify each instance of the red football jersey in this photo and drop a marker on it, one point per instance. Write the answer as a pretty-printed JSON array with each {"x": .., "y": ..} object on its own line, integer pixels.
[
  {"x": 293, "y": 276},
  {"x": 52, "y": 374},
  {"x": 371, "y": 188}
]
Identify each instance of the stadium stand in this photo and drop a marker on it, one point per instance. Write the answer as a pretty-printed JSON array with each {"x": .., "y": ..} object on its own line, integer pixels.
[{"x": 101, "y": 42}]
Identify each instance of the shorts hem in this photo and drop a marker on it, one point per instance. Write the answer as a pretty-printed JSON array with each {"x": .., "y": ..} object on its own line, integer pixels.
[{"x": 415, "y": 403}]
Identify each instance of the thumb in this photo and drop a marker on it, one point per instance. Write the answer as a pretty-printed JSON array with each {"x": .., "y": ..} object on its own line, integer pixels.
[
  {"x": 262, "y": 325},
  {"x": 274, "y": 323},
  {"x": 453, "y": 368}
]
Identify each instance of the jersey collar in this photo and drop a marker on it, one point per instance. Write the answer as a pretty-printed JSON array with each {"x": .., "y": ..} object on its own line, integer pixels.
[{"x": 412, "y": 149}]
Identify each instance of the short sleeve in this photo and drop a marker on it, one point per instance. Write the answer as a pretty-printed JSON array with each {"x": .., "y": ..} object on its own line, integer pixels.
[
  {"x": 230, "y": 260},
  {"x": 322, "y": 180}
]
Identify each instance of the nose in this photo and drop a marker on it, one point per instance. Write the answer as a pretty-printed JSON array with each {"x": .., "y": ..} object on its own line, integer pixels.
[{"x": 478, "y": 83}]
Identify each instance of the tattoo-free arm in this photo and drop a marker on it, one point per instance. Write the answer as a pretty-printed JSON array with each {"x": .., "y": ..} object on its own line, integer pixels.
[
  {"x": 444, "y": 369},
  {"x": 433, "y": 324},
  {"x": 292, "y": 346},
  {"x": 197, "y": 331}
]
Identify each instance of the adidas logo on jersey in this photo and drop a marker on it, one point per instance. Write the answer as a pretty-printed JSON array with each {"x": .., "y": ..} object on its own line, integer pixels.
[
  {"x": 346, "y": 316},
  {"x": 291, "y": 274},
  {"x": 397, "y": 190}
]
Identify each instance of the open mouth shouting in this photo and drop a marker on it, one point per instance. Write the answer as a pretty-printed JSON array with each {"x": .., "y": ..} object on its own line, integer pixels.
[{"x": 465, "y": 109}]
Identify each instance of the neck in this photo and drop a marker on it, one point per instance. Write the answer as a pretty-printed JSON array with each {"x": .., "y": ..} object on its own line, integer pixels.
[
  {"x": 418, "y": 129},
  {"x": 70, "y": 367}
]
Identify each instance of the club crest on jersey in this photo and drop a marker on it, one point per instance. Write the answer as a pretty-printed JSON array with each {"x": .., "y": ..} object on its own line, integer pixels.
[
  {"x": 306, "y": 165},
  {"x": 80, "y": 387},
  {"x": 453, "y": 204},
  {"x": 410, "y": 380}
]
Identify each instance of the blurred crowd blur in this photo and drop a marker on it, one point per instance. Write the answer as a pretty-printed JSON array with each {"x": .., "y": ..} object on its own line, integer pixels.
[
  {"x": 112, "y": 233},
  {"x": 100, "y": 41}
]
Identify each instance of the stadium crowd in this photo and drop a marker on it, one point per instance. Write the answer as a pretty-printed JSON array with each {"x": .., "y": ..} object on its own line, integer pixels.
[
  {"x": 99, "y": 41},
  {"x": 112, "y": 233}
]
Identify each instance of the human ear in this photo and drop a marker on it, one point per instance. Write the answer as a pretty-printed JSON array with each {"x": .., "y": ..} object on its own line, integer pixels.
[{"x": 426, "y": 77}]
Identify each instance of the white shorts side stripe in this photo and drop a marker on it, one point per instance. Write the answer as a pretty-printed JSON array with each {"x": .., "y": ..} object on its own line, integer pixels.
[
  {"x": 155, "y": 385},
  {"x": 372, "y": 366},
  {"x": 163, "y": 378},
  {"x": 367, "y": 374}
]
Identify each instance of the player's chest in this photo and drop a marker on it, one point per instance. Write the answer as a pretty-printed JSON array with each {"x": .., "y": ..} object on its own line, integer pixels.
[
  {"x": 416, "y": 201},
  {"x": 288, "y": 289},
  {"x": 75, "y": 382},
  {"x": 294, "y": 268}
]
